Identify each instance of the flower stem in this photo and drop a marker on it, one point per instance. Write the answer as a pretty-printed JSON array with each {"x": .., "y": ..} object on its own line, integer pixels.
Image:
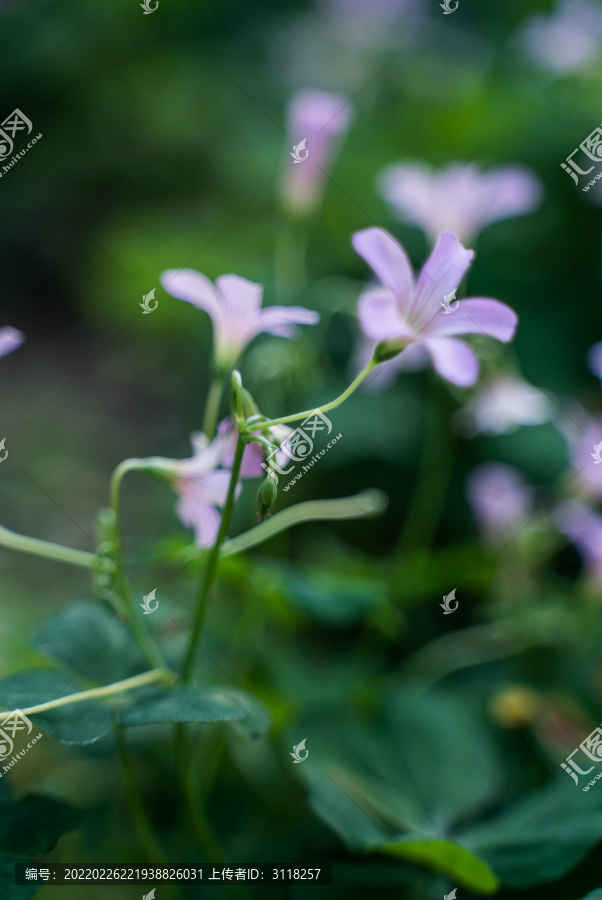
[
  {"x": 37, "y": 547},
  {"x": 211, "y": 567},
  {"x": 332, "y": 405},
  {"x": 143, "y": 637},
  {"x": 108, "y": 690},
  {"x": 212, "y": 404}
]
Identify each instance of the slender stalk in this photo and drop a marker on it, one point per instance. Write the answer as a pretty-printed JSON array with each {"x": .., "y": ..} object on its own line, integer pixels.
[
  {"x": 212, "y": 405},
  {"x": 211, "y": 567},
  {"x": 143, "y": 637},
  {"x": 108, "y": 690},
  {"x": 332, "y": 405},
  {"x": 23, "y": 544}
]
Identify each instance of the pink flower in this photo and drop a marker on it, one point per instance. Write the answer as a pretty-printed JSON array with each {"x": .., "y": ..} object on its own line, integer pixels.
[
  {"x": 584, "y": 528},
  {"x": 10, "y": 339},
  {"x": 320, "y": 120},
  {"x": 254, "y": 453},
  {"x": 500, "y": 500},
  {"x": 459, "y": 197},
  {"x": 234, "y": 306},
  {"x": 404, "y": 312},
  {"x": 202, "y": 488},
  {"x": 584, "y": 435}
]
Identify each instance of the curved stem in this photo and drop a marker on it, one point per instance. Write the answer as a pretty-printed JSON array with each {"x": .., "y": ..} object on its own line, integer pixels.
[
  {"x": 212, "y": 405},
  {"x": 283, "y": 420},
  {"x": 367, "y": 503},
  {"x": 211, "y": 567},
  {"x": 143, "y": 638},
  {"x": 108, "y": 690},
  {"x": 24, "y": 544}
]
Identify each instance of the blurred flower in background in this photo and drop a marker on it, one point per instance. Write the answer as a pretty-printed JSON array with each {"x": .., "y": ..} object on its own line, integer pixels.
[
  {"x": 500, "y": 500},
  {"x": 320, "y": 119},
  {"x": 583, "y": 434},
  {"x": 401, "y": 311},
  {"x": 459, "y": 197},
  {"x": 501, "y": 405},
  {"x": 594, "y": 360},
  {"x": 234, "y": 306},
  {"x": 10, "y": 339},
  {"x": 584, "y": 528},
  {"x": 566, "y": 40}
]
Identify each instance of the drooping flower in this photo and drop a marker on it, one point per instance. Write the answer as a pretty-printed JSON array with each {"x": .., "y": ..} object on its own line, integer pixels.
[
  {"x": 459, "y": 197},
  {"x": 500, "y": 500},
  {"x": 318, "y": 121},
  {"x": 10, "y": 339},
  {"x": 401, "y": 312},
  {"x": 503, "y": 404},
  {"x": 583, "y": 527},
  {"x": 566, "y": 40},
  {"x": 234, "y": 306}
]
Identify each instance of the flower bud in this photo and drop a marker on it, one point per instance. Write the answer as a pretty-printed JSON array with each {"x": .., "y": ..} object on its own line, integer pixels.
[
  {"x": 386, "y": 350},
  {"x": 266, "y": 497}
]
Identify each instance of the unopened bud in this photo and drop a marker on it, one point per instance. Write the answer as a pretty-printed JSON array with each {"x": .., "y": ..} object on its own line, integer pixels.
[
  {"x": 385, "y": 350},
  {"x": 266, "y": 497}
]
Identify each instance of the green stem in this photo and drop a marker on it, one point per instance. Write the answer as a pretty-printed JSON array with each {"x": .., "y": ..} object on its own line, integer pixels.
[
  {"x": 108, "y": 690},
  {"x": 366, "y": 503},
  {"x": 211, "y": 567},
  {"x": 37, "y": 547},
  {"x": 143, "y": 638},
  {"x": 332, "y": 405},
  {"x": 212, "y": 405}
]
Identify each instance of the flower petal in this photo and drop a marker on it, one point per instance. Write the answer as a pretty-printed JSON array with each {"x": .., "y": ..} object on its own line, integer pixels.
[
  {"x": 191, "y": 286},
  {"x": 442, "y": 273},
  {"x": 389, "y": 261},
  {"x": 242, "y": 298},
  {"x": 281, "y": 320},
  {"x": 454, "y": 360},
  {"x": 478, "y": 315},
  {"x": 379, "y": 316},
  {"x": 203, "y": 518},
  {"x": 10, "y": 339}
]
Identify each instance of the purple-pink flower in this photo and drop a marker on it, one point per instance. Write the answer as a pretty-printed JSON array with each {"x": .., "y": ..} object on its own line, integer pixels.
[
  {"x": 459, "y": 197},
  {"x": 585, "y": 436},
  {"x": 10, "y": 339},
  {"x": 584, "y": 528},
  {"x": 594, "y": 359},
  {"x": 318, "y": 120},
  {"x": 202, "y": 488},
  {"x": 500, "y": 500},
  {"x": 234, "y": 306},
  {"x": 566, "y": 40},
  {"x": 403, "y": 312}
]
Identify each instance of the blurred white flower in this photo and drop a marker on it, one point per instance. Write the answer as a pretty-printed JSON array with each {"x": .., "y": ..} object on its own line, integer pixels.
[
  {"x": 566, "y": 40},
  {"x": 500, "y": 500},
  {"x": 503, "y": 404},
  {"x": 459, "y": 197}
]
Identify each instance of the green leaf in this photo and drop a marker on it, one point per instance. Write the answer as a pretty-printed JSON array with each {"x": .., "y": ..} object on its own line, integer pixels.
[
  {"x": 34, "y": 824},
  {"x": 335, "y": 598},
  {"x": 594, "y": 895},
  {"x": 8, "y": 889},
  {"x": 447, "y": 857},
  {"x": 540, "y": 838},
  {"x": 91, "y": 641},
  {"x": 188, "y": 704},
  {"x": 78, "y": 723},
  {"x": 348, "y": 817}
]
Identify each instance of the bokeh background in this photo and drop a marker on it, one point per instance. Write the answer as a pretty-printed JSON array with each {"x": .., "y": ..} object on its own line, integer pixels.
[{"x": 164, "y": 145}]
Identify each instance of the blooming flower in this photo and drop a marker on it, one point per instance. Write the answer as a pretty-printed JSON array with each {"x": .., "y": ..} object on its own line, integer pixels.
[
  {"x": 202, "y": 488},
  {"x": 402, "y": 311},
  {"x": 319, "y": 119},
  {"x": 234, "y": 306},
  {"x": 566, "y": 40},
  {"x": 502, "y": 405},
  {"x": 500, "y": 500},
  {"x": 10, "y": 339},
  {"x": 460, "y": 197},
  {"x": 584, "y": 528}
]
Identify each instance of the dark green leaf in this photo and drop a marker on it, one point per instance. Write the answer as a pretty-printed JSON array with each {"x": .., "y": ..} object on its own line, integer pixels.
[
  {"x": 335, "y": 598},
  {"x": 188, "y": 704},
  {"x": 8, "y": 889},
  {"x": 351, "y": 820},
  {"x": 34, "y": 824}
]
